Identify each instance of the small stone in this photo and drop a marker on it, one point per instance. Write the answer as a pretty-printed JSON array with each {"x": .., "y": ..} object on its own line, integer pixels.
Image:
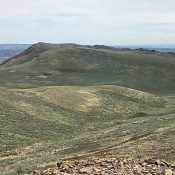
[
  {"x": 157, "y": 162},
  {"x": 150, "y": 161},
  {"x": 168, "y": 172},
  {"x": 137, "y": 170},
  {"x": 159, "y": 171},
  {"x": 121, "y": 164},
  {"x": 51, "y": 171},
  {"x": 62, "y": 173},
  {"x": 173, "y": 165},
  {"x": 141, "y": 161},
  {"x": 88, "y": 170},
  {"x": 144, "y": 164},
  {"x": 98, "y": 160},
  {"x": 96, "y": 170},
  {"x": 145, "y": 171}
]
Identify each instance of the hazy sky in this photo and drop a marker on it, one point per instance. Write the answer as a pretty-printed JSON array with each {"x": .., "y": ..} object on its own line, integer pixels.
[{"x": 113, "y": 22}]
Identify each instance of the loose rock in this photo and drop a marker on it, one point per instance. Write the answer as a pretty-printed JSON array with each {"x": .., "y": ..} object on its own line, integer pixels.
[{"x": 111, "y": 167}]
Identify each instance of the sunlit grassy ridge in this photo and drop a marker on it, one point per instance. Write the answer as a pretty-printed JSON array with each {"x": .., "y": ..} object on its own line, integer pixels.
[
  {"x": 46, "y": 124},
  {"x": 70, "y": 64}
]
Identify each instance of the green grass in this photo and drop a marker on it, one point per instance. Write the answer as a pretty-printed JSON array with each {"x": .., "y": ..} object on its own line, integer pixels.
[
  {"x": 74, "y": 65},
  {"x": 69, "y": 101},
  {"x": 43, "y": 125}
]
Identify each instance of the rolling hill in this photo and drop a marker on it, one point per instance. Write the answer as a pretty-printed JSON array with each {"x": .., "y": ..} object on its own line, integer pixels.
[
  {"x": 71, "y": 64},
  {"x": 62, "y": 101},
  {"x": 44, "y": 125}
]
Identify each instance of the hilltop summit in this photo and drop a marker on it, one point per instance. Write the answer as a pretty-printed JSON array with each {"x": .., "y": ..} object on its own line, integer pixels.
[{"x": 73, "y": 64}]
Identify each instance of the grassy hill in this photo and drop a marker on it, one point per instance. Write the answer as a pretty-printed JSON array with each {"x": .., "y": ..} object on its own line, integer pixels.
[
  {"x": 70, "y": 64},
  {"x": 60, "y": 101},
  {"x": 49, "y": 123}
]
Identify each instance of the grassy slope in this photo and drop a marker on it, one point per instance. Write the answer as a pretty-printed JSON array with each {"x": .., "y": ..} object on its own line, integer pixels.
[
  {"x": 48, "y": 65},
  {"x": 46, "y": 124},
  {"x": 2, "y": 59},
  {"x": 88, "y": 113}
]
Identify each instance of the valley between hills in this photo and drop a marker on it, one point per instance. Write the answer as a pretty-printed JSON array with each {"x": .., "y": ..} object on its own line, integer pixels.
[{"x": 69, "y": 101}]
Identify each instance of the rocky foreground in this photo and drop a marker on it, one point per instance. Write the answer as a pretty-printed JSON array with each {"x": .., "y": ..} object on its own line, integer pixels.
[{"x": 111, "y": 166}]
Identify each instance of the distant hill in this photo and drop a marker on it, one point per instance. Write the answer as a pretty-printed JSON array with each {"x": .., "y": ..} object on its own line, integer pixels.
[
  {"x": 2, "y": 59},
  {"x": 46, "y": 64},
  {"x": 165, "y": 49},
  {"x": 153, "y": 47},
  {"x": 9, "y": 50}
]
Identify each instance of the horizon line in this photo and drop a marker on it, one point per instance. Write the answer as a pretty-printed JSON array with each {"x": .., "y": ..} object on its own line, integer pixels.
[{"x": 112, "y": 45}]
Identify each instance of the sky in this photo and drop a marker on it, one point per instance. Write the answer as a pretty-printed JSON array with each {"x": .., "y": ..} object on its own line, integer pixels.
[{"x": 110, "y": 22}]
